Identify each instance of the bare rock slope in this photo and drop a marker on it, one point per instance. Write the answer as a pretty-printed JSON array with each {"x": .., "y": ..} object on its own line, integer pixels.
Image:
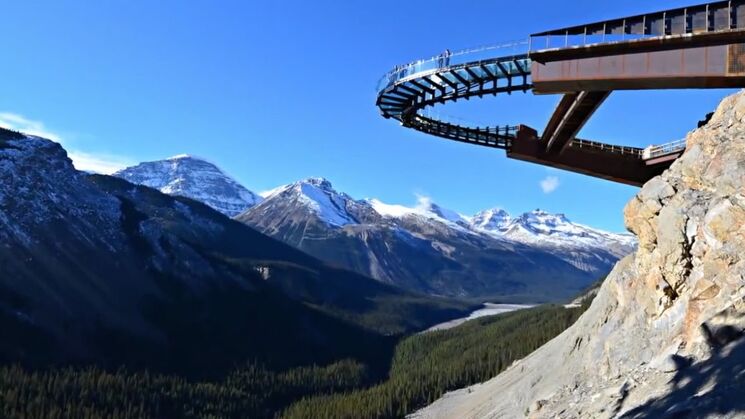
[{"x": 664, "y": 337}]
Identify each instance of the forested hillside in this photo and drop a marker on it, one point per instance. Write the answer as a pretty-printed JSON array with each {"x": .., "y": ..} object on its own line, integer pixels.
[{"x": 424, "y": 366}]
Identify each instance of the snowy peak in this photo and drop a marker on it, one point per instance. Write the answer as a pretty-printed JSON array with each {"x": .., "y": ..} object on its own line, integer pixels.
[
  {"x": 495, "y": 219},
  {"x": 542, "y": 228},
  {"x": 425, "y": 208},
  {"x": 319, "y": 182},
  {"x": 541, "y": 222},
  {"x": 317, "y": 195},
  {"x": 194, "y": 178},
  {"x": 182, "y": 157}
]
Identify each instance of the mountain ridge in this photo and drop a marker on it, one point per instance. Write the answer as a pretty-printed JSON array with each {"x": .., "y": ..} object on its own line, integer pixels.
[
  {"x": 97, "y": 270},
  {"x": 361, "y": 235},
  {"x": 370, "y": 236}
]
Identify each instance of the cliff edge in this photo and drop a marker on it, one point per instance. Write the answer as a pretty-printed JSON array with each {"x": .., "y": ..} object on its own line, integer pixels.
[{"x": 664, "y": 336}]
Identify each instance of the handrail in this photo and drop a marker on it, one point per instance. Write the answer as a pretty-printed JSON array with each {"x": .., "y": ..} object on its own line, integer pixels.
[
  {"x": 664, "y": 149},
  {"x": 624, "y": 150},
  {"x": 445, "y": 60},
  {"x": 503, "y": 130},
  {"x": 450, "y": 119}
]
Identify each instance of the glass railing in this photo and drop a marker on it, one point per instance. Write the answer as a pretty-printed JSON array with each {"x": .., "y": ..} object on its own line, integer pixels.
[
  {"x": 664, "y": 149},
  {"x": 548, "y": 42},
  {"x": 450, "y": 59}
]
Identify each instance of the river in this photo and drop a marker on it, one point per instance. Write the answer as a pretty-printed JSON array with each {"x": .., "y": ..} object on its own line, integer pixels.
[{"x": 488, "y": 309}]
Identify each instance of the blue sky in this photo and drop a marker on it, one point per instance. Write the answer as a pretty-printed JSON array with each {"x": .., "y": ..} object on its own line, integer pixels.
[{"x": 276, "y": 91}]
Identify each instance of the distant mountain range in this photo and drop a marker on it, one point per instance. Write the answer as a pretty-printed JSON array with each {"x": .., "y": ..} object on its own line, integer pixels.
[
  {"x": 96, "y": 270},
  {"x": 535, "y": 256}
]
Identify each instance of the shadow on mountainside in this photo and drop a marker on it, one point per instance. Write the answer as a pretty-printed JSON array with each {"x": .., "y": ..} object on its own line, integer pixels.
[{"x": 712, "y": 387}]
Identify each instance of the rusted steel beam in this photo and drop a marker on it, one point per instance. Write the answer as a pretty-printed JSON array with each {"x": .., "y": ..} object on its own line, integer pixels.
[
  {"x": 626, "y": 169},
  {"x": 561, "y": 109},
  {"x": 643, "y": 45},
  {"x": 720, "y": 66},
  {"x": 572, "y": 119}
]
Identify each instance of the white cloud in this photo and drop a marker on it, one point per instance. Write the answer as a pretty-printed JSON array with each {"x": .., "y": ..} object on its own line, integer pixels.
[
  {"x": 98, "y": 163},
  {"x": 90, "y": 162},
  {"x": 549, "y": 184},
  {"x": 20, "y": 123},
  {"x": 423, "y": 202}
]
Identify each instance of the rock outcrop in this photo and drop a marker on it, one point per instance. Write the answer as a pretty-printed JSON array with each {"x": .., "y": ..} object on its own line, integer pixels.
[{"x": 663, "y": 338}]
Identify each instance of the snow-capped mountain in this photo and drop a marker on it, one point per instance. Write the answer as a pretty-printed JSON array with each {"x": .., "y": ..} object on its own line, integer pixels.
[
  {"x": 584, "y": 247},
  {"x": 432, "y": 249},
  {"x": 425, "y": 247},
  {"x": 97, "y": 270},
  {"x": 492, "y": 220},
  {"x": 193, "y": 178},
  {"x": 543, "y": 228},
  {"x": 318, "y": 196}
]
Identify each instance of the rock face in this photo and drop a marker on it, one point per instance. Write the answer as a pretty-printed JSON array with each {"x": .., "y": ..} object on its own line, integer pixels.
[{"x": 663, "y": 338}]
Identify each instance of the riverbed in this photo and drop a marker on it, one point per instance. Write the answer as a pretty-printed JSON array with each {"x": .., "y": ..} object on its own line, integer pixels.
[{"x": 488, "y": 309}]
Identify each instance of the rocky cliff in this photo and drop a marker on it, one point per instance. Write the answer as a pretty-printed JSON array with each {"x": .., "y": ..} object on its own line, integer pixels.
[{"x": 663, "y": 338}]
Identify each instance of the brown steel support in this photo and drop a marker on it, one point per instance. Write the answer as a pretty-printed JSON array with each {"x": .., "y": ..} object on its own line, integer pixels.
[
  {"x": 571, "y": 119},
  {"x": 561, "y": 109},
  {"x": 706, "y": 67},
  {"x": 664, "y": 43},
  {"x": 626, "y": 169}
]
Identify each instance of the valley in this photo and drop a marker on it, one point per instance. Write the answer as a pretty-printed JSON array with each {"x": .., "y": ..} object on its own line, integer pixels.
[
  {"x": 549, "y": 227},
  {"x": 154, "y": 293}
]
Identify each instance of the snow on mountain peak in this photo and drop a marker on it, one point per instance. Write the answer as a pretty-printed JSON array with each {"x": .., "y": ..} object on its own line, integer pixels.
[
  {"x": 494, "y": 219},
  {"x": 194, "y": 178},
  {"x": 539, "y": 227},
  {"x": 388, "y": 210},
  {"x": 318, "y": 181},
  {"x": 180, "y": 157},
  {"x": 543, "y": 221},
  {"x": 426, "y": 206},
  {"x": 318, "y": 195}
]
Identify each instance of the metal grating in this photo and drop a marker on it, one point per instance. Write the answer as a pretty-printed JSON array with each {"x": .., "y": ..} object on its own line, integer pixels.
[{"x": 736, "y": 60}]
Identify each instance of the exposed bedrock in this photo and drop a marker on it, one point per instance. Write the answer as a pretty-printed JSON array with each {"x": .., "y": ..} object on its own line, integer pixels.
[{"x": 664, "y": 337}]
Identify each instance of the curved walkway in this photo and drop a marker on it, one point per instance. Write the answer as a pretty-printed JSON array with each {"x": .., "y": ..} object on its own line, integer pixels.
[
  {"x": 702, "y": 49},
  {"x": 405, "y": 92}
]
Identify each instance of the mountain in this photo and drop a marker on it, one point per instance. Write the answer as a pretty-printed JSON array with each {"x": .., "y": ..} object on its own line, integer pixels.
[
  {"x": 536, "y": 256},
  {"x": 586, "y": 248},
  {"x": 194, "y": 178},
  {"x": 426, "y": 248},
  {"x": 665, "y": 335},
  {"x": 492, "y": 220},
  {"x": 96, "y": 270}
]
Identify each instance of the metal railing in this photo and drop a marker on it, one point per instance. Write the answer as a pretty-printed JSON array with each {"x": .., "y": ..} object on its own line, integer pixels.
[
  {"x": 550, "y": 42},
  {"x": 664, "y": 149},
  {"x": 718, "y": 16},
  {"x": 611, "y": 148},
  {"x": 476, "y": 127},
  {"x": 450, "y": 59}
]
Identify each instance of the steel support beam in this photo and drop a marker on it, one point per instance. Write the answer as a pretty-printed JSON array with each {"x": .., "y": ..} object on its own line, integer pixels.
[{"x": 573, "y": 112}]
